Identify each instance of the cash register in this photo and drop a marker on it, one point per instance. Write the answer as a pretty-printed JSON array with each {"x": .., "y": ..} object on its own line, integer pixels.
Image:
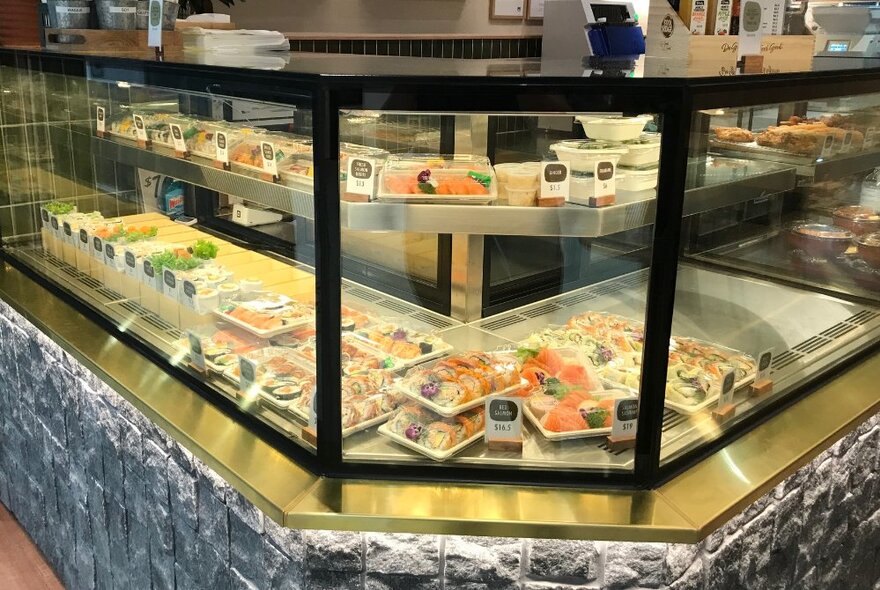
[{"x": 846, "y": 29}]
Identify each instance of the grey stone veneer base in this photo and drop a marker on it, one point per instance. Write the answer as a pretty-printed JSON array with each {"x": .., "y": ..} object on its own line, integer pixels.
[{"x": 113, "y": 502}]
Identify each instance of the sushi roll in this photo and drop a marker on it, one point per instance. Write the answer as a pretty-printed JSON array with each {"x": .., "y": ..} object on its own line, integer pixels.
[
  {"x": 350, "y": 412},
  {"x": 541, "y": 404},
  {"x": 213, "y": 353},
  {"x": 348, "y": 324},
  {"x": 389, "y": 402},
  {"x": 407, "y": 416},
  {"x": 286, "y": 392},
  {"x": 439, "y": 436}
]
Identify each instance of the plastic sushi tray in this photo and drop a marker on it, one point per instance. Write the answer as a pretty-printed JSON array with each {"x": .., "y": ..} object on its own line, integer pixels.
[
  {"x": 430, "y": 453},
  {"x": 287, "y": 327},
  {"x": 452, "y": 411},
  {"x": 711, "y": 397},
  {"x": 384, "y": 360},
  {"x": 346, "y": 432},
  {"x": 440, "y": 349},
  {"x": 573, "y": 434}
]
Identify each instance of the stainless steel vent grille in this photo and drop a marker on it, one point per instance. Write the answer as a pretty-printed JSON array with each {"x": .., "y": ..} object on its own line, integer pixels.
[
  {"x": 575, "y": 299},
  {"x": 436, "y": 321},
  {"x": 503, "y": 322},
  {"x": 863, "y": 317},
  {"x": 541, "y": 310},
  {"x": 786, "y": 358}
]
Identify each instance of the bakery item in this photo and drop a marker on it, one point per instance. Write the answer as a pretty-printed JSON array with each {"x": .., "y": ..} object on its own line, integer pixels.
[{"x": 734, "y": 134}]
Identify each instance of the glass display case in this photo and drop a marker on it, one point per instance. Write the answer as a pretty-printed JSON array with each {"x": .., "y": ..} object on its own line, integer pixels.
[{"x": 535, "y": 279}]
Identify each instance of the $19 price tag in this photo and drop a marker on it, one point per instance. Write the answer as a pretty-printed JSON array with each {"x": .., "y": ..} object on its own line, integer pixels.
[{"x": 626, "y": 417}]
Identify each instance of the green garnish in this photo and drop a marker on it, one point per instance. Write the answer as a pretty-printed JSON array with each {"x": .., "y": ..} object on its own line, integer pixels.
[
  {"x": 59, "y": 208},
  {"x": 427, "y": 188},
  {"x": 555, "y": 387},
  {"x": 170, "y": 260},
  {"x": 523, "y": 354},
  {"x": 483, "y": 179},
  {"x": 596, "y": 418},
  {"x": 204, "y": 249}
]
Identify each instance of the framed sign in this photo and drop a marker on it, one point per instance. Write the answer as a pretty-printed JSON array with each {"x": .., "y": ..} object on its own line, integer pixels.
[
  {"x": 507, "y": 9},
  {"x": 535, "y": 10}
]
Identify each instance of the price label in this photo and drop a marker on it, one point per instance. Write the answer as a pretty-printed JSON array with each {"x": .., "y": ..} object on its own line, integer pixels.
[
  {"x": 503, "y": 418},
  {"x": 604, "y": 175},
  {"x": 870, "y": 134},
  {"x": 130, "y": 264},
  {"x": 765, "y": 360},
  {"x": 83, "y": 241},
  {"x": 68, "y": 232},
  {"x": 188, "y": 294},
  {"x": 196, "y": 354},
  {"x": 361, "y": 178},
  {"x": 44, "y": 216},
  {"x": 247, "y": 382},
  {"x": 177, "y": 138},
  {"x": 140, "y": 128},
  {"x": 555, "y": 180},
  {"x": 726, "y": 384},
  {"x": 169, "y": 284},
  {"x": 847, "y": 140},
  {"x": 626, "y": 417},
  {"x": 154, "y": 24},
  {"x": 221, "y": 143},
  {"x": 148, "y": 275},
  {"x": 827, "y": 146},
  {"x": 270, "y": 166},
  {"x": 98, "y": 248},
  {"x": 100, "y": 117},
  {"x": 110, "y": 255}
]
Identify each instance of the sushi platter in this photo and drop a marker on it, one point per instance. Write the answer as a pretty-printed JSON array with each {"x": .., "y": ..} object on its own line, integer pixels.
[
  {"x": 407, "y": 347},
  {"x": 461, "y": 382},
  {"x": 603, "y": 406},
  {"x": 432, "y": 454},
  {"x": 279, "y": 373},
  {"x": 432, "y": 435},
  {"x": 356, "y": 358},
  {"x": 438, "y": 179},
  {"x": 268, "y": 315}
]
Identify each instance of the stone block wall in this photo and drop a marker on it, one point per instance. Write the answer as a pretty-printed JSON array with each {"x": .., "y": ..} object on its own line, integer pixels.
[{"x": 113, "y": 502}]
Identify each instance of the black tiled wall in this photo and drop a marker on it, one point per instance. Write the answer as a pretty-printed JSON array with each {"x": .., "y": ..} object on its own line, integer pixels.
[{"x": 448, "y": 48}]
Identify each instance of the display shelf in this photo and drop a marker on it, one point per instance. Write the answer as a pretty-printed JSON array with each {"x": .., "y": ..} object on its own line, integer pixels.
[
  {"x": 201, "y": 172},
  {"x": 810, "y": 168},
  {"x": 569, "y": 220},
  {"x": 714, "y": 182}
]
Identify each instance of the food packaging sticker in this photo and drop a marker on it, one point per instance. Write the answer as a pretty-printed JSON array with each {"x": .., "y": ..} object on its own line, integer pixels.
[
  {"x": 97, "y": 248},
  {"x": 555, "y": 180},
  {"x": 72, "y": 10},
  {"x": 154, "y": 25},
  {"x": 169, "y": 284},
  {"x": 765, "y": 360},
  {"x": 123, "y": 10},
  {"x": 188, "y": 295},
  {"x": 148, "y": 274},
  {"x": 247, "y": 382},
  {"x": 604, "y": 175},
  {"x": 361, "y": 177},
  {"x": 177, "y": 138},
  {"x": 140, "y": 128},
  {"x": 503, "y": 418},
  {"x": 83, "y": 241},
  {"x": 270, "y": 166},
  {"x": 44, "y": 217},
  {"x": 55, "y": 225},
  {"x": 196, "y": 353},
  {"x": 110, "y": 255},
  {"x": 101, "y": 119},
  {"x": 727, "y": 384},
  {"x": 68, "y": 232},
  {"x": 221, "y": 142},
  {"x": 130, "y": 264},
  {"x": 626, "y": 417}
]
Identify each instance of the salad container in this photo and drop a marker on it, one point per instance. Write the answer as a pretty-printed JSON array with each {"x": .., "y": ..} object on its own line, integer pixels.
[
  {"x": 632, "y": 180},
  {"x": 643, "y": 151},
  {"x": 538, "y": 409},
  {"x": 584, "y": 154},
  {"x": 613, "y": 128}
]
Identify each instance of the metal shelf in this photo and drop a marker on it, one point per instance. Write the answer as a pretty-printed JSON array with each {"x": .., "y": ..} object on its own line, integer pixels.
[
  {"x": 201, "y": 172},
  {"x": 811, "y": 168},
  {"x": 716, "y": 182},
  {"x": 569, "y": 220}
]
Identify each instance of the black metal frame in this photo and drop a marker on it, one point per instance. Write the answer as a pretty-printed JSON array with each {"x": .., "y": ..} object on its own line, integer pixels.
[{"x": 673, "y": 99}]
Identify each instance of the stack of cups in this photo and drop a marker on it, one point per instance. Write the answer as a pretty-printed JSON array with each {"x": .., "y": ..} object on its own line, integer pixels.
[{"x": 518, "y": 183}]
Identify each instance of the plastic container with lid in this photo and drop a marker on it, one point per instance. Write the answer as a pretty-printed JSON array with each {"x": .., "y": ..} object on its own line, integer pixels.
[
  {"x": 819, "y": 240},
  {"x": 869, "y": 248},
  {"x": 613, "y": 128},
  {"x": 584, "y": 154},
  {"x": 521, "y": 197},
  {"x": 438, "y": 179},
  {"x": 857, "y": 219},
  {"x": 248, "y": 153},
  {"x": 634, "y": 180},
  {"x": 643, "y": 151}
]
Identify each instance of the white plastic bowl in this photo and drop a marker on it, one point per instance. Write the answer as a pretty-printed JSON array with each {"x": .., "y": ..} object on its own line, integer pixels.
[
  {"x": 637, "y": 180},
  {"x": 643, "y": 151},
  {"x": 583, "y": 155},
  {"x": 613, "y": 128}
]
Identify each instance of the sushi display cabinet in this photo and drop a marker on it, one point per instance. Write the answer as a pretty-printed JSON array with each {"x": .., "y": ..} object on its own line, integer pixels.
[{"x": 530, "y": 279}]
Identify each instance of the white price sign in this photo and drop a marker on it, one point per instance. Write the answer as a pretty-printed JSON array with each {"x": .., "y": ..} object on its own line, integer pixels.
[
  {"x": 604, "y": 175},
  {"x": 130, "y": 264},
  {"x": 221, "y": 142},
  {"x": 188, "y": 294},
  {"x": 247, "y": 382},
  {"x": 870, "y": 134},
  {"x": 726, "y": 384},
  {"x": 827, "y": 146},
  {"x": 196, "y": 353},
  {"x": 177, "y": 138},
  {"x": 82, "y": 241},
  {"x": 140, "y": 128},
  {"x": 44, "y": 216},
  {"x": 98, "y": 248},
  {"x": 751, "y": 13},
  {"x": 68, "y": 232},
  {"x": 503, "y": 418},
  {"x": 626, "y": 417},
  {"x": 110, "y": 255},
  {"x": 148, "y": 275},
  {"x": 101, "y": 118},
  {"x": 361, "y": 176},
  {"x": 555, "y": 180},
  {"x": 154, "y": 25},
  {"x": 56, "y": 226},
  {"x": 169, "y": 284},
  {"x": 270, "y": 166},
  {"x": 765, "y": 360}
]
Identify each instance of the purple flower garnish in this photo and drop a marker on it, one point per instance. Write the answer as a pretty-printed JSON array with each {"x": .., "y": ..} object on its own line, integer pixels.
[
  {"x": 424, "y": 176},
  {"x": 413, "y": 431},
  {"x": 606, "y": 353},
  {"x": 541, "y": 377},
  {"x": 429, "y": 390},
  {"x": 399, "y": 334},
  {"x": 695, "y": 383}
]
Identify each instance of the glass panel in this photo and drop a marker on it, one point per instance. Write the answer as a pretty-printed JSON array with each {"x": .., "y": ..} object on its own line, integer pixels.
[
  {"x": 161, "y": 209},
  {"x": 545, "y": 300},
  {"x": 777, "y": 257}
]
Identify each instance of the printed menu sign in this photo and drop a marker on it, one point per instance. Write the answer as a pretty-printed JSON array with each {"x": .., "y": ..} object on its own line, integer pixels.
[
  {"x": 148, "y": 275},
  {"x": 270, "y": 166},
  {"x": 727, "y": 385},
  {"x": 604, "y": 174},
  {"x": 83, "y": 241},
  {"x": 177, "y": 138},
  {"x": 109, "y": 255},
  {"x": 140, "y": 128},
  {"x": 361, "y": 176},
  {"x": 44, "y": 216},
  {"x": 247, "y": 383},
  {"x": 503, "y": 418},
  {"x": 68, "y": 232},
  {"x": 555, "y": 180},
  {"x": 765, "y": 360},
  {"x": 56, "y": 226},
  {"x": 188, "y": 297},
  {"x": 154, "y": 25},
  {"x": 97, "y": 248},
  {"x": 196, "y": 353},
  {"x": 626, "y": 418},
  {"x": 101, "y": 119},
  {"x": 130, "y": 264},
  {"x": 169, "y": 284},
  {"x": 221, "y": 143}
]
